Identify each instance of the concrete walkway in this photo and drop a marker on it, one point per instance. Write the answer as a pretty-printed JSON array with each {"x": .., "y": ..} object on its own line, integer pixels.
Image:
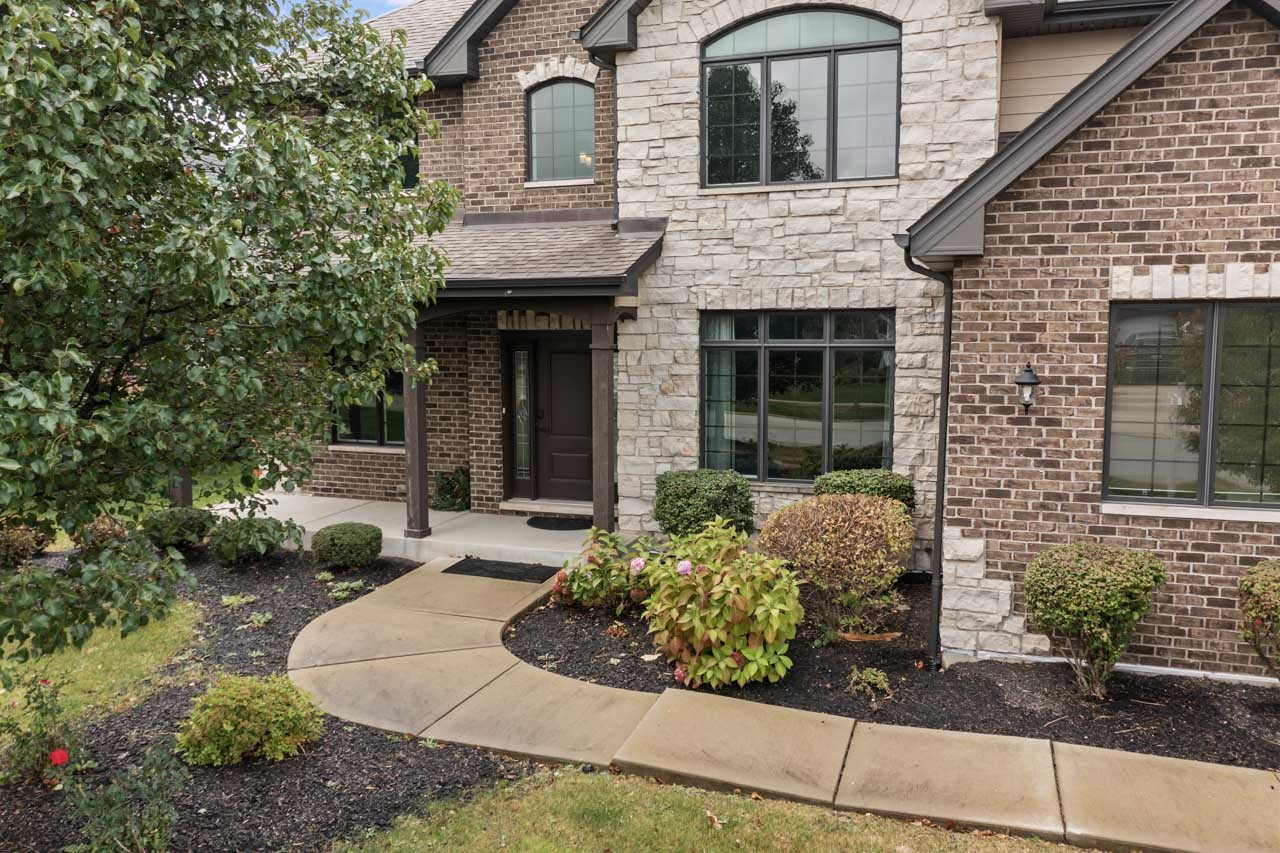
[{"x": 424, "y": 655}]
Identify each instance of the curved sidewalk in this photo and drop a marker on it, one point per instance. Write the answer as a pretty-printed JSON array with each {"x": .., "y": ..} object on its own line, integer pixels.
[{"x": 423, "y": 655}]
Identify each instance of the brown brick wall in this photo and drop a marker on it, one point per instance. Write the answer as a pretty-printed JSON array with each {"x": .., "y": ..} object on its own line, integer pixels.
[
  {"x": 1181, "y": 169},
  {"x": 441, "y": 158},
  {"x": 484, "y": 400}
]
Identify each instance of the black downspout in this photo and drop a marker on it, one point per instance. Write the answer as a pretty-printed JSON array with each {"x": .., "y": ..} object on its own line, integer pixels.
[
  {"x": 940, "y": 495},
  {"x": 611, "y": 67}
]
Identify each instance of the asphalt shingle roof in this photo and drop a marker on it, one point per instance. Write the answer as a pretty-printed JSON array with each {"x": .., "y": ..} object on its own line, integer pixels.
[{"x": 424, "y": 22}]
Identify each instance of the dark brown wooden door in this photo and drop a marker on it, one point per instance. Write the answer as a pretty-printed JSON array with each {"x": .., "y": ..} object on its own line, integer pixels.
[{"x": 562, "y": 417}]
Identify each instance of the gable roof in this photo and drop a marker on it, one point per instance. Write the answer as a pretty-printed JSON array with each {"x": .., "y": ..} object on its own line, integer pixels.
[
  {"x": 424, "y": 22},
  {"x": 955, "y": 226}
]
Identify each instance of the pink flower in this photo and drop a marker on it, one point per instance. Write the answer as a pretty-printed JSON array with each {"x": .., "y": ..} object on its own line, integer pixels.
[
  {"x": 684, "y": 567},
  {"x": 679, "y": 674},
  {"x": 637, "y": 565}
]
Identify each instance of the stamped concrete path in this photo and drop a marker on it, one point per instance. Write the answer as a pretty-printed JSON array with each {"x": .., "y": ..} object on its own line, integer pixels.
[{"x": 424, "y": 655}]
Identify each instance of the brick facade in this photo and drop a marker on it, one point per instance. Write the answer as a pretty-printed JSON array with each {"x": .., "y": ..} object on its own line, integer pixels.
[{"x": 1171, "y": 188}]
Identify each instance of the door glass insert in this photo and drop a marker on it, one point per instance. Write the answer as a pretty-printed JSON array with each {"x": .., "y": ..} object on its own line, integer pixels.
[{"x": 520, "y": 393}]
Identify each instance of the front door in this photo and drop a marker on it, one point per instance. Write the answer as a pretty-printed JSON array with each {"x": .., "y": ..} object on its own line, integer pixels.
[{"x": 549, "y": 416}]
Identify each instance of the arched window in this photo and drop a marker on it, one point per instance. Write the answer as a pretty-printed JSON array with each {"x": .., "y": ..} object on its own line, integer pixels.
[
  {"x": 831, "y": 112},
  {"x": 561, "y": 126}
]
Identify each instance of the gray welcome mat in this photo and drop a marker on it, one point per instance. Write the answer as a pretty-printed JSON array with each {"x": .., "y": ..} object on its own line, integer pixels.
[{"x": 501, "y": 570}]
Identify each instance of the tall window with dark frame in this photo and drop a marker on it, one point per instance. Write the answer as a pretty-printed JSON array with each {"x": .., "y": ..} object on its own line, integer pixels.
[
  {"x": 789, "y": 396},
  {"x": 1193, "y": 398},
  {"x": 830, "y": 105},
  {"x": 561, "y": 127},
  {"x": 378, "y": 420}
]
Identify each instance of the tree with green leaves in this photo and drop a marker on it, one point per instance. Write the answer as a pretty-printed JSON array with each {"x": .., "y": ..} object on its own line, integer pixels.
[{"x": 207, "y": 241}]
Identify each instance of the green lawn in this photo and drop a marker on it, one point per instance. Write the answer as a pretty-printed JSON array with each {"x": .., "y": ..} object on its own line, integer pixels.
[{"x": 571, "y": 810}]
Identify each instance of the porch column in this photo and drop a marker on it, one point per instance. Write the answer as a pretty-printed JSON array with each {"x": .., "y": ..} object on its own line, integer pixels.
[
  {"x": 603, "y": 413},
  {"x": 415, "y": 442}
]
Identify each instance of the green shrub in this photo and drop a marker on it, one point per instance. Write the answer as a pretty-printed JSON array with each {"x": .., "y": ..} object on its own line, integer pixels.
[
  {"x": 347, "y": 545},
  {"x": 723, "y": 613},
  {"x": 135, "y": 811},
  {"x": 453, "y": 490},
  {"x": 42, "y": 745},
  {"x": 237, "y": 541},
  {"x": 1260, "y": 604},
  {"x": 243, "y": 716},
  {"x": 608, "y": 573},
  {"x": 876, "y": 482},
  {"x": 102, "y": 531},
  {"x": 687, "y": 500},
  {"x": 177, "y": 526},
  {"x": 1091, "y": 597},
  {"x": 849, "y": 550},
  {"x": 20, "y": 542}
]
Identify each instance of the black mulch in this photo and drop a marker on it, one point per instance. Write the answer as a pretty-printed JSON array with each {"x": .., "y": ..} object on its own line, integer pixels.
[
  {"x": 1199, "y": 719},
  {"x": 501, "y": 570},
  {"x": 352, "y": 779}
]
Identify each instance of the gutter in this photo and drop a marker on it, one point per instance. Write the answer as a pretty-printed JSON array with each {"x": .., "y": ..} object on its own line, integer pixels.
[
  {"x": 613, "y": 68},
  {"x": 940, "y": 494}
]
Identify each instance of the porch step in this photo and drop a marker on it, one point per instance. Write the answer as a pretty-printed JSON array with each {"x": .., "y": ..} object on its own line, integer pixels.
[{"x": 547, "y": 507}]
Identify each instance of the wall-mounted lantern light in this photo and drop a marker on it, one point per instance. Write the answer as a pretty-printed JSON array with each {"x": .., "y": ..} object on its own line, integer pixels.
[{"x": 1027, "y": 382}]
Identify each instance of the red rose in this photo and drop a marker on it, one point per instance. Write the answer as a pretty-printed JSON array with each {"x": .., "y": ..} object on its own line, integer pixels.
[
  {"x": 44, "y": 682},
  {"x": 59, "y": 757}
]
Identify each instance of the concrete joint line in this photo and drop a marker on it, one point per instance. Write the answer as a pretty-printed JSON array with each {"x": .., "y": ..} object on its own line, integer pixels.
[
  {"x": 393, "y": 657},
  {"x": 338, "y": 512},
  {"x": 467, "y": 698},
  {"x": 1057, "y": 786},
  {"x": 848, "y": 747}
]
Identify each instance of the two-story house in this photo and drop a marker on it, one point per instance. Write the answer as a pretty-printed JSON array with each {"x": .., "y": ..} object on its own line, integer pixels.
[{"x": 785, "y": 238}]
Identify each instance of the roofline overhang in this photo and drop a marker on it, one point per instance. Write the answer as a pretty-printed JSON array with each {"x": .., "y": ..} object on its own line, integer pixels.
[
  {"x": 456, "y": 56},
  {"x": 612, "y": 28},
  {"x": 1031, "y": 17}
]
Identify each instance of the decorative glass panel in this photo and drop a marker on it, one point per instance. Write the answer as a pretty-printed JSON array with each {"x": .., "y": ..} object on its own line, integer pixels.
[
  {"x": 798, "y": 119},
  {"x": 863, "y": 326},
  {"x": 520, "y": 393},
  {"x": 731, "y": 414},
  {"x": 795, "y": 418},
  {"x": 1156, "y": 392},
  {"x": 799, "y": 31},
  {"x": 867, "y": 114},
  {"x": 1248, "y": 452},
  {"x": 795, "y": 327},
  {"x": 733, "y": 123},
  {"x": 861, "y": 409},
  {"x": 562, "y": 132}
]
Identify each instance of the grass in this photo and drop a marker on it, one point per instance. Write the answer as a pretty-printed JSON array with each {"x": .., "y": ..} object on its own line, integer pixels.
[
  {"x": 110, "y": 671},
  {"x": 570, "y": 810}
]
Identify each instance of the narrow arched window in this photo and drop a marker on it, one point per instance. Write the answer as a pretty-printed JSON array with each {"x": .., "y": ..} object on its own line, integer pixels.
[
  {"x": 561, "y": 124},
  {"x": 801, "y": 96}
]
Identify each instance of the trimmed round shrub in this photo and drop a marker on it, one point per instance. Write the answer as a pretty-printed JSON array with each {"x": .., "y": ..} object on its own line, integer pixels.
[
  {"x": 245, "y": 716},
  {"x": 849, "y": 549},
  {"x": 687, "y": 500},
  {"x": 1260, "y": 604},
  {"x": 238, "y": 541},
  {"x": 177, "y": 526},
  {"x": 877, "y": 482},
  {"x": 347, "y": 545},
  {"x": 20, "y": 542},
  {"x": 1090, "y": 597},
  {"x": 102, "y": 531}
]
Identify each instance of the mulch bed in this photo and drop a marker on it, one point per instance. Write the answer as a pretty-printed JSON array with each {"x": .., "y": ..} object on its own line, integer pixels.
[
  {"x": 1223, "y": 722},
  {"x": 353, "y": 778}
]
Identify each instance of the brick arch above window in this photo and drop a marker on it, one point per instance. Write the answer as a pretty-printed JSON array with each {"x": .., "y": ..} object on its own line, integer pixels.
[{"x": 563, "y": 67}]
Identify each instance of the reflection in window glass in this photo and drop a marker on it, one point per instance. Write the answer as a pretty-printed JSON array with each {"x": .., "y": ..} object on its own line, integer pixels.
[
  {"x": 867, "y": 114},
  {"x": 795, "y": 414},
  {"x": 731, "y": 393},
  {"x": 798, "y": 119},
  {"x": 862, "y": 409},
  {"x": 733, "y": 123},
  {"x": 863, "y": 326},
  {"x": 799, "y": 31},
  {"x": 795, "y": 327},
  {"x": 1157, "y": 385},
  {"x": 730, "y": 327},
  {"x": 375, "y": 420},
  {"x": 1248, "y": 436},
  {"x": 562, "y": 132}
]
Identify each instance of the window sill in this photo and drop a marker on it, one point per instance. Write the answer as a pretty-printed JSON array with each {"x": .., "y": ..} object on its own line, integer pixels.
[
  {"x": 576, "y": 182},
  {"x": 366, "y": 448},
  {"x": 1202, "y": 513},
  {"x": 781, "y": 488},
  {"x": 793, "y": 188}
]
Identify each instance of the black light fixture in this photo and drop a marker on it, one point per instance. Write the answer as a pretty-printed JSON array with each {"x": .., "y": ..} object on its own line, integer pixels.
[{"x": 1027, "y": 382}]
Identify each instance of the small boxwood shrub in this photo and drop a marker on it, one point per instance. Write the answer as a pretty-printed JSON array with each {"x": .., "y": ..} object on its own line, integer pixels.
[
  {"x": 238, "y": 541},
  {"x": 687, "y": 500},
  {"x": 244, "y": 716},
  {"x": 877, "y": 482},
  {"x": 608, "y": 573},
  {"x": 722, "y": 613},
  {"x": 1260, "y": 604},
  {"x": 348, "y": 545},
  {"x": 1090, "y": 597},
  {"x": 20, "y": 542},
  {"x": 849, "y": 550},
  {"x": 177, "y": 526}
]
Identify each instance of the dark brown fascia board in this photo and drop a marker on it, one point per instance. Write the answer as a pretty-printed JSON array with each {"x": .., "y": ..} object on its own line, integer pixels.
[
  {"x": 954, "y": 226},
  {"x": 539, "y": 217},
  {"x": 454, "y": 58},
  {"x": 612, "y": 28}
]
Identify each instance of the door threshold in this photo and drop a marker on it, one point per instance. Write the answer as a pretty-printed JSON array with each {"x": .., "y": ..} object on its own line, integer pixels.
[{"x": 545, "y": 506}]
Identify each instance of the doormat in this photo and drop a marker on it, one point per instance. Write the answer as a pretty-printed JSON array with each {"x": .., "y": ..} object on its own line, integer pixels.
[
  {"x": 556, "y": 522},
  {"x": 501, "y": 570}
]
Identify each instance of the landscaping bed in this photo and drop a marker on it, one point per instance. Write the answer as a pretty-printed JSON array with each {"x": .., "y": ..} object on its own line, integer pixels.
[
  {"x": 352, "y": 779},
  {"x": 1223, "y": 722}
]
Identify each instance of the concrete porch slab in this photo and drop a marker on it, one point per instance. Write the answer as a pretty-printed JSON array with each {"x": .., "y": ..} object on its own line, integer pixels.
[
  {"x": 1002, "y": 783},
  {"x": 558, "y": 718},
  {"x": 458, "y": 595},
  {"x": 714, "y": 741},
  {"x": 404, "y": 694},
  {"x": 1123, "y": 800},
  {"x": 366, "y": 631}
]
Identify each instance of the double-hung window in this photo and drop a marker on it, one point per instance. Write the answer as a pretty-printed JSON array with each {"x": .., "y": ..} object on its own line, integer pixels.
[
  {"x": 801, "y": 96},
  {"x": 789, "y": 396},
  {"x": 377, "y": 420},
  {"x": 1193, "y": 396}
]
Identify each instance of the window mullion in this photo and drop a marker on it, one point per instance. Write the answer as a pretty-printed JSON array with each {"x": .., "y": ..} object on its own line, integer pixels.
[
  {"x": 1211, "y": 385},
  {"x": 762, "y": 407}
]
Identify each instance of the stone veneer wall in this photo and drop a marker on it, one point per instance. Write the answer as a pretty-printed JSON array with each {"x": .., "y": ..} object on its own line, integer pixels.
[
  {"x": 824, "y": 247},
  {"x": 1171, "y": 192}
]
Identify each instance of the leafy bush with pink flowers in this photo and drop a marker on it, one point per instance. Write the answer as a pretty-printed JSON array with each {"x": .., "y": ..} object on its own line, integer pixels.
[
  {"x": 608, "y": 573},
  {"x": 724, "y": 614}
]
